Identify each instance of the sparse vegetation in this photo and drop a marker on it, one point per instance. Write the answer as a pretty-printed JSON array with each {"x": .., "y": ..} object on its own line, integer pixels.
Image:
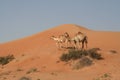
[
  {"x": 6, "y": 59},
  {"x": 72, "y": 54},
  {"x": 25, "y": 78},
  {"x": 94, "y": 54},
  {"x": 31, "y": 70},
  {"x": 113, "y": 51},
  {"x": 5, "y": 73},
  {"x": 84, "y": 61},
  {"x": 19, "y": 69},
  {"x": 81, "y": 58},
  {"x": 77, "y": 54},
  {"x": 105, "y": 76}
]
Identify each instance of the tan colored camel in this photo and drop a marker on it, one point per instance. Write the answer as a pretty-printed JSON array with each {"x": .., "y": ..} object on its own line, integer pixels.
[
  {"x": 59, "y": 40},
  {"x": 67, "y": 39},
  {"x": 62, "y": 39},
  {"x": 80, "y": 38}
]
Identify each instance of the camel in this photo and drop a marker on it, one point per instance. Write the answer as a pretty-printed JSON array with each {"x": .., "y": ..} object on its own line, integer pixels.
[
  {"x": 62, "y": 39},
  {"x": 59, "y": 40},
  {"x": 67, "y": 39},
  {"x": 79, "y": 38}
]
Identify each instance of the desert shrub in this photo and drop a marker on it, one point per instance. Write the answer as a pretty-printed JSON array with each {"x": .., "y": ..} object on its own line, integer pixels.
[
  {"x": 19, "y": 69},
  {"x": 113, "y": 51},
  {"x": 25, "y": 78},
  {"x": 6, "y": 59},
  {"x": 64, "y": 57},
  {"x": 105, "y": 76},
  {"x": 72, "y": 55},
  {"x": 77, "y": 54},
  {"x": 31, "y": 70},
  {"x": 94, "y": 54},
  {"x": 83, "y": 62}
]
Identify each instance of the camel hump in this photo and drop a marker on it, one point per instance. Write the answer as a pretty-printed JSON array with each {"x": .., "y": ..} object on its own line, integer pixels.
[{"x": 80, "y": 32}]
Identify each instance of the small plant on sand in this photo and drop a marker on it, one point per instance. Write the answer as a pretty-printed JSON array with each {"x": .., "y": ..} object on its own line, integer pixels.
[
  {"x": 83, "y": 62},
  {"x": 19, "y": 69},
  {"x": 94, "y": 54},
  {"x": 25, "y": 78},
  {"x": 31, "y": 70},
  {"x": 105, "y": 76},
  {"x": 113, "y": 51},
  {"x": 6, "y": 59}
]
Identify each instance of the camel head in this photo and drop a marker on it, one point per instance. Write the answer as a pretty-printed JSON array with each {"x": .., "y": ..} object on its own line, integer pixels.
[
  {"x": 52, "y": 37},
  {"x": 66, "y": 34},
  {"x": 79, "y": 32}
]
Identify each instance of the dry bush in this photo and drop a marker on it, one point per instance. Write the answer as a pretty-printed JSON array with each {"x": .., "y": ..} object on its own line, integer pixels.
[
  {"x": 81, "y": 58},
  {"x": 105, "y": 76},
  {"x": 25, "y": 78},
  {"x": 94, "y": 54},
  {"x": 31, "y": 70},
  {"x": 6, "y": 59},
  {"x": 77, "y": 54},
  {"x": 113, "y": 51},
  {"x": 83, "y": 62},
  {"x": 72, "y": 54}
]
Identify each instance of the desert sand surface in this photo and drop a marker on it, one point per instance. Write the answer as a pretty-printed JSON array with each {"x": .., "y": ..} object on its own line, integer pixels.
[{"x": 37, "y": 57}]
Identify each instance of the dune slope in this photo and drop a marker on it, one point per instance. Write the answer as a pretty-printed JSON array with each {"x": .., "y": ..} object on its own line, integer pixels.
[{"x": 40, "y": 52}]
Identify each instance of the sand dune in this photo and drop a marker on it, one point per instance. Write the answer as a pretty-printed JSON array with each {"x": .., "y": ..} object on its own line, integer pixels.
[{"x": 40, "y": 52}]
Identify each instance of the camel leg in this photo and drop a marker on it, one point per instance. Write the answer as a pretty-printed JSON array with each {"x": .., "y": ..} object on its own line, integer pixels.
[
  {"x": 86, "y": 45},
  {"x": 79, "y": 45},
  {"x": 66, "y": 44},
  {"x": 82, "y": 44},
  {"x": 75, "y": 45},
  {"x": 58, "y": 45},
  {"x": 70, "y": 43},
  {"x": 86, "y": 42}
]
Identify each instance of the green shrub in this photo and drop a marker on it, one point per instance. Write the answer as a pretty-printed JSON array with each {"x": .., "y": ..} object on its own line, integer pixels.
[{"x": 6, "y": 59}]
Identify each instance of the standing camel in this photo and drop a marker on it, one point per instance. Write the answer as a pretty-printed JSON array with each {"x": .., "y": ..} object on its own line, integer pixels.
[
  {"x": 59, "y": 40},
  {"x": 67, "y": 39},
  {"x": 79, "y": 38}
]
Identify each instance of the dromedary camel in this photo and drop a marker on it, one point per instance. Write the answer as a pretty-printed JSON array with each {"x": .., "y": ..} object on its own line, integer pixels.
[
  {"x": 59, "y": 40},
  {"x": 67, "y": 39},
  {"x": 79, "y": 38},
  {"x": 62, "y": 39}
]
